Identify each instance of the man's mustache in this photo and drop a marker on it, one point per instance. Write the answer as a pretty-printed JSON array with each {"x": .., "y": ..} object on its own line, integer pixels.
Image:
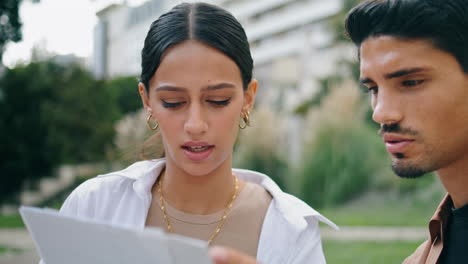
[{"x": 396, "y": 128}]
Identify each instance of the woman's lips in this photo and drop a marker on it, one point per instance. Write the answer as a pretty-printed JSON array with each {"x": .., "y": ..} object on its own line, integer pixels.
[{"x": 197, "y": 151}]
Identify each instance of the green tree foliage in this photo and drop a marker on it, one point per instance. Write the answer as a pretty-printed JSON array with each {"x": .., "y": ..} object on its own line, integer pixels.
[
  {"x": 265, "y": 162},
  {"x": 51, "y": 114},
  {"x": 340, "y": 165},
  {"x": 260, "y": 147},
  {"x": 10, "y": 23},
  {"x": 22, "y": 131},
  {"x": 125, "y": 91},
  {"x": 81, "y": 120},
  {"x": 342, "y": 154}
]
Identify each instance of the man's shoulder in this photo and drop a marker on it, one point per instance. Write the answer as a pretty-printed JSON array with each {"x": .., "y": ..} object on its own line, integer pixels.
[{"x": 419, "y": 255}]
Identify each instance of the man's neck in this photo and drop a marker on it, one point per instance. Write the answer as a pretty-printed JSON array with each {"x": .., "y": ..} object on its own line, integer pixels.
[{"x": 455, "y": 180}]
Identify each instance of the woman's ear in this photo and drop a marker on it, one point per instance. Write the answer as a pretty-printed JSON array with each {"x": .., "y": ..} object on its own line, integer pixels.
[
  {"x": 249, "y": 96},
  {"x": 144, "y": 96}
]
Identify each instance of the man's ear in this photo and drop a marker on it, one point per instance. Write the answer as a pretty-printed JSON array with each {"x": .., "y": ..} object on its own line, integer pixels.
[
  {"x": 249, "y": 96},
  {"x": 144, "y": 96}
]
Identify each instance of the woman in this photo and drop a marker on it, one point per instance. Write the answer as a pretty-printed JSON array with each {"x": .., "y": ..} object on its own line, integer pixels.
[{"x": 197, "y": 89}]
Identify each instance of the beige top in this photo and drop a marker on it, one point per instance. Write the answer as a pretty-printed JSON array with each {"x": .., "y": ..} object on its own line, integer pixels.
[{"x": 241, "y": 229}]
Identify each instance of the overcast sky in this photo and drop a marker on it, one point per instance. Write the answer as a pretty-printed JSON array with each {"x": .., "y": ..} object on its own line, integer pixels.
[{"x": 58, "y": 26}]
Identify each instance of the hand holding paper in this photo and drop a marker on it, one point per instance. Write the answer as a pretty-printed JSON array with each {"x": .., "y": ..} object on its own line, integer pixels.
[{"x": 221, "y": 255}]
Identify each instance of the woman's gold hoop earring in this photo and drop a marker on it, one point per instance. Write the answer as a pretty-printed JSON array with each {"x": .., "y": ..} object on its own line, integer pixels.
[
  {"x": 246, "y": 118},
  {"x": 154, "y": 128}
]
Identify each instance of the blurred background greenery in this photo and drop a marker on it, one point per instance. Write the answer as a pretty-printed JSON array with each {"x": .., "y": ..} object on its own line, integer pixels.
[{"x": 55, "y": 113}]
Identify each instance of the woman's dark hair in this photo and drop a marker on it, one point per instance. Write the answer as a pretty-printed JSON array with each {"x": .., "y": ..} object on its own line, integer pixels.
[
  {"x": 203, "y": 22},
  {"x": 209, "y": 24},
  {"x": 443, "y": 22}
]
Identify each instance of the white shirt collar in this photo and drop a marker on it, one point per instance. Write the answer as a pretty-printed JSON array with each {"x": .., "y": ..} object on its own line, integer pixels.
[{"x": 145, "y": 173}]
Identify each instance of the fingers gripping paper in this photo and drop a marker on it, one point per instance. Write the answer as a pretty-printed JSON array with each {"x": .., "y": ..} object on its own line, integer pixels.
[{"x": 61, "y": 239}]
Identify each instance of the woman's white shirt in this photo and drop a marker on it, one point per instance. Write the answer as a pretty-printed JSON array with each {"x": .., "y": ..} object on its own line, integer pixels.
[{"x": 290, "y": 232}]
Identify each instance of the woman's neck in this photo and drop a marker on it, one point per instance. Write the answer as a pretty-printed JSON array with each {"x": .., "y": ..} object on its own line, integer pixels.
[{"x": 201, "y": 194}]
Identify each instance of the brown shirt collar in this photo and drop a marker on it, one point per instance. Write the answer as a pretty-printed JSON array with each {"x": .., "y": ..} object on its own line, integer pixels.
[
  {"x": 438, "y": 222},
  {"x": 429, "y": 252}
]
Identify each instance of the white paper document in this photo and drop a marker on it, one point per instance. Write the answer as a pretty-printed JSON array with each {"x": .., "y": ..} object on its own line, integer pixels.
[{"x": 62, "y": 239}]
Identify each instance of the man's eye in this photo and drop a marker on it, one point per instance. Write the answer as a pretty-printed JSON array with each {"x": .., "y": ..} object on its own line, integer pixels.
[
  {"x": 171, "y": 105},
  {"x": 372, "y": 89},
  {"x": 219, "y": 103},
  {"x": 412, "y": 82}
]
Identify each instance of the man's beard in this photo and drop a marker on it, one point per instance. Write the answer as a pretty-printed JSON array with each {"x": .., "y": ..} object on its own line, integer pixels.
[{"x": 407, "y": 171}]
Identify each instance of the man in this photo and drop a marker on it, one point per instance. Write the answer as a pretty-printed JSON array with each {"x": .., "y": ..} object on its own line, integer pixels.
[{"x": 414, "y": 62}]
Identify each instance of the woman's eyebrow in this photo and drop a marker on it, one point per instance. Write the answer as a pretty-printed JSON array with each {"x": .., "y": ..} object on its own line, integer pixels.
[
  {"x": 219, "y": 86},
  {"x": 170, "y": 88},
  {"x": 207, "y": 88}
]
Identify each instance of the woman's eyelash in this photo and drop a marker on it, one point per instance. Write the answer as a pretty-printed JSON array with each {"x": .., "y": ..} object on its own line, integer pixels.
[
  {"x": 171, "y": 105},
  {"x": 223, "y": 102},
  {"x": 177, "y": 104}
]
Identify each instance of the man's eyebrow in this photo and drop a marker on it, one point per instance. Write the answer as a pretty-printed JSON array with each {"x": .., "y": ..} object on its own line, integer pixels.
[
  {"x": 403, "y": 72},
  {"x": 219, "y": 86},
  {"x": 397, "y": 74}
]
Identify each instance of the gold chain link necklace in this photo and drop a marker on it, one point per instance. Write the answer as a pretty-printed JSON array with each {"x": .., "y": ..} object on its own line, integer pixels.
[{"x": 221, "y": 221}]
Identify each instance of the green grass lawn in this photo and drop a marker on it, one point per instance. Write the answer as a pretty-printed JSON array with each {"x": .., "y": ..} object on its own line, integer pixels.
[
  {"x": 383, "y": 210},
  {"x": 350, "y": 252},
  {"x": 367, "y": 213},
  {"x": 4, "y": 249},
  {"x": 379, "y": 216},
  {"x": 15, "y": 221},
  {"x": 11, "y": 221}
]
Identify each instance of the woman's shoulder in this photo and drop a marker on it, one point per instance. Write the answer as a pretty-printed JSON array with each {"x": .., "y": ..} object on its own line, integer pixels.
[
  {"x": 297, "y": 213},
  {"x": 112, "y": 188},
  {"x": 99, "y": 185},
  {"x": 109, "y": 180},
  {"x": 285, "y": 206},
  {"x": 119, "y": 179},
  {"x": 290, "y": 226}
]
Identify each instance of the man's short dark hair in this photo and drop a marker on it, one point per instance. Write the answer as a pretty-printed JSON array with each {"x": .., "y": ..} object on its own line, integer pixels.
[{"x": 442, "y": 22}]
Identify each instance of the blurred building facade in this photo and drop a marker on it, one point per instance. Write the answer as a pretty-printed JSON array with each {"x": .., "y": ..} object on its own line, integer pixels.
[{"x": 290, "y": 40}]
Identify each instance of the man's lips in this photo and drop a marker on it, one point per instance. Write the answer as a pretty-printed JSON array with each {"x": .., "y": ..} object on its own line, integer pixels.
[{"x": 396, "y": 143}]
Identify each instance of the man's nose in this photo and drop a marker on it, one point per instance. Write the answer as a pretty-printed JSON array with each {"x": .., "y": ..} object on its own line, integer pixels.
[{"x": 386, "y": 108}]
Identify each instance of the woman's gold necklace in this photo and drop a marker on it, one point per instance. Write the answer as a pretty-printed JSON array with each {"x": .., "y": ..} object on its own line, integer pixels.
[{"x": 221, "y": 221}]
